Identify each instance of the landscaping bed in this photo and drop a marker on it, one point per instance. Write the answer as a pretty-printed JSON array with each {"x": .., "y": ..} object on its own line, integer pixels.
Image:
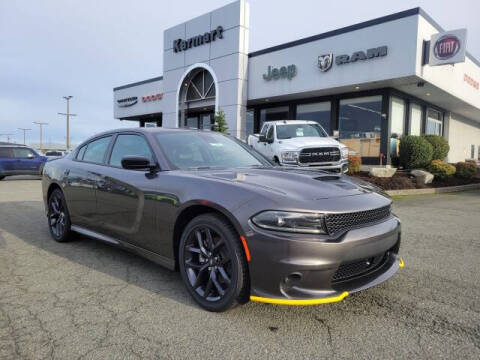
[{"x": 403, "y": 180}]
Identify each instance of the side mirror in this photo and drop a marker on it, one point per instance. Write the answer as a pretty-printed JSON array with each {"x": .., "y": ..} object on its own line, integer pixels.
[
  {"x": 134, "y": 162},
  {"x": 336, "y": 134},
  {"x": 262, "y": 138}
]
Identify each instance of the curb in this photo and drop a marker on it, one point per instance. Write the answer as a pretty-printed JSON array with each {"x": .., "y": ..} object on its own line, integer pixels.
[{"x": 446, "y": 189}]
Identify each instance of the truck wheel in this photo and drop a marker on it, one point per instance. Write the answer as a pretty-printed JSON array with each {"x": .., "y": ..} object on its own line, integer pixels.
[{"x": 276, "y": 161}]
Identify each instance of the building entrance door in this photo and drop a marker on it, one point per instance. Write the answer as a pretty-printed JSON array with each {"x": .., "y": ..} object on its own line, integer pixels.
[{"x": 199, "y": 120}]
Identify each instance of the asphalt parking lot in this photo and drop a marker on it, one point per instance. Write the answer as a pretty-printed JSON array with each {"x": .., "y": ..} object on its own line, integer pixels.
[{"x": 85, "y": 299}]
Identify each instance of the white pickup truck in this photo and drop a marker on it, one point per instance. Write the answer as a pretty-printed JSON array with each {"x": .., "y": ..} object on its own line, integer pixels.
[{"x": 300, "y": 143}]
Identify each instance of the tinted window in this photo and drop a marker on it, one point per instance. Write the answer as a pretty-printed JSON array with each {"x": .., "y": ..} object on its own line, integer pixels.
[
  {"x": 319, "y": 112},
  {"x": 81, "y": 152},
  {"x": 96, "y": 150},
  {"x": 360, "y": 121},
  {"x": 126, "y": 145},
  {"x": 270, "y": 133},
  {"x": 23, "y": 153},
  {"x": 192, "y": 150},
  {"x": 6, "y": 153}
]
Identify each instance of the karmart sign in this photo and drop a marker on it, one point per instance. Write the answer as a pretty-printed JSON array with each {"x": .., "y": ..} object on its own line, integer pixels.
[
  {"x": 325, "y": 61},
  {"x": 201, "y": 39}
]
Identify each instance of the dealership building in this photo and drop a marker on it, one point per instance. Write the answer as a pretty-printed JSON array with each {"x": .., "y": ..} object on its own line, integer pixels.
[{"x": 369, "y": 83}]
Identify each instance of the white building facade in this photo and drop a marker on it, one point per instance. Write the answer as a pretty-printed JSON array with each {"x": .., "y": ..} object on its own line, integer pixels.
[{"x": 368, "y": 83}]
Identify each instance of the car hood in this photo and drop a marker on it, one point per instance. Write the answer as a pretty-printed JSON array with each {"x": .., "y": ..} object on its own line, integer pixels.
[
  {"x": 294, "y": 183},
  {"x": 303, "y": 142}
]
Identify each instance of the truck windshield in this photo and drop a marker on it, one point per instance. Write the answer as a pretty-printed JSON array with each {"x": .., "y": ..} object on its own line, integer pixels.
[
  {"x": 289, "y": 131},
  {"x": 207, "y": 150}
]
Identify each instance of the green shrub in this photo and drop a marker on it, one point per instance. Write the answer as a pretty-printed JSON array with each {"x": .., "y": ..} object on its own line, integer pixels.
[
  {"x": 440, "y": 146},
  {"x": 220, "y": 123},
  {"x": 354, "y": 163},
  {"x": 440, "y": 169},
  {"x": 415, "y": 152},
  {"x": 465, "y": 170}
]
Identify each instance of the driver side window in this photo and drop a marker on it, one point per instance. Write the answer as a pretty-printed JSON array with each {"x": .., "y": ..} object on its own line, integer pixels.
[
  {"x": 23, "y": 153},
  {"x": 264, "y": 129},
  {"x": 270, "y": 133},
  {"x": 127, "y": 145}
]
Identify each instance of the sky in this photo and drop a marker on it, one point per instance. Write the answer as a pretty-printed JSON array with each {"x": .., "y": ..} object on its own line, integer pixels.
[{"x": 49, "y": 49}]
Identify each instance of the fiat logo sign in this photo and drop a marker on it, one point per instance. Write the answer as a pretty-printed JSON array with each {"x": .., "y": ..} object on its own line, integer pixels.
[{"x": 446, "y": 47}]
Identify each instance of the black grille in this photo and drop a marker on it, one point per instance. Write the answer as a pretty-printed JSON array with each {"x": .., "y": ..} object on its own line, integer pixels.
[
  {"x": 343, "y": 221},
  {"x": 318, "y": 155},
  {"x": 359, "y": 267}
]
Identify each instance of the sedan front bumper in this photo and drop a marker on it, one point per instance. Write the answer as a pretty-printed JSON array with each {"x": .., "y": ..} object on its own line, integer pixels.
[{"x": 299, "y": 269}]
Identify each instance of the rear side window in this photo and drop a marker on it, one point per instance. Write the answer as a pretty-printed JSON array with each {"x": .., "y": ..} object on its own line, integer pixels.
[
  {"x": 81, "y": 152},
  {"x": 128, "y": 144},
  {"x": 23, "y": 153},
  {"x": 96, "y": 150},
  {"x": 6, "y": 153}
]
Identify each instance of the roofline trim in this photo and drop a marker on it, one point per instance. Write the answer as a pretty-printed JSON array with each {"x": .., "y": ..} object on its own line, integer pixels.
[
  {"x": 340, "y": 31},
  {"x": 158, "y": 78},
  {"x": 362, "y": 25}
]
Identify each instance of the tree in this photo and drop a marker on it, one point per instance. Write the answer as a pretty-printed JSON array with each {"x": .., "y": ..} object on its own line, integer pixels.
[{"x": 220, "y": 124}]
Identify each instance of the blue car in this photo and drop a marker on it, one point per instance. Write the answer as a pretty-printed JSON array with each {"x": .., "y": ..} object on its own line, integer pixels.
[{"x": 20, "y": 160}]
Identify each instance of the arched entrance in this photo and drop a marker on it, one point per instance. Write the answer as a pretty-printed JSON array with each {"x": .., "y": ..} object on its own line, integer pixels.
[{"x": 197, "y": 97}]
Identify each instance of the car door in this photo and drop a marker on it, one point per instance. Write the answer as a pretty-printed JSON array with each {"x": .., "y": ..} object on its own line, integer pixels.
[
  {"x": 81, "y": 178},
  {"x": 126, "y": 198},
  {"x": 6, "y": 160},
  {"x": 26, "y": 161}
]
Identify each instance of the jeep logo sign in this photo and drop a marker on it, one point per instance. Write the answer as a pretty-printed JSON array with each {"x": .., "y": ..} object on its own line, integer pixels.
[
  {"x": 447, "y": 47},
  {"x": 126, "y": 102},
  {"x": 284, "y": 72}
]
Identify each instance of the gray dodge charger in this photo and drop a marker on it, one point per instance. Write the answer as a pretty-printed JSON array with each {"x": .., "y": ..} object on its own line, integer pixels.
[{"x": 234, "y": 226}]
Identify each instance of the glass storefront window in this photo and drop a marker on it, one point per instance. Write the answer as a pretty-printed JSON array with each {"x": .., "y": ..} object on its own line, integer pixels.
[
  {"x": 434, "y": 123},
  {"x": 319, "y": 112},
  {"x": 360, "y": 124},
  {"x": 397, "y": 125},
  {"x": 272, "y": 114},
  {"x": 415, "y": 119}
]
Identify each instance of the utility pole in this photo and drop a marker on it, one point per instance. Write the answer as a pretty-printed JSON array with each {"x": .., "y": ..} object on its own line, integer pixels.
[
  {"x": 67, "y": 114},
  {"x": 24, "y": 131},
  {"x": 41, "y": 124},
  {"x": 7, "y": 135}
]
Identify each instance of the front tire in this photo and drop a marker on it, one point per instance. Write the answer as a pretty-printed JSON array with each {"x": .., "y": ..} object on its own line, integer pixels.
[
  {"x": 58, "y": 217},
  {"x": 212, "y": 263},
  {"x": 2, "y": 177}
]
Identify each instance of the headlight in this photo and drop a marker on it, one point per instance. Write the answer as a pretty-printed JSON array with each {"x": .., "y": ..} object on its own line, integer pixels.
[
  {"x": 310, "y": 223},
  {"x": 344, "y": 152},
  {"x": 289, "y": 156}
]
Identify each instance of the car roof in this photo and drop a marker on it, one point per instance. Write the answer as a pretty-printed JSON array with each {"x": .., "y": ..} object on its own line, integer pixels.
[
  {"x": 280, "y": 122},
  {"x": 12, "y": 145}
]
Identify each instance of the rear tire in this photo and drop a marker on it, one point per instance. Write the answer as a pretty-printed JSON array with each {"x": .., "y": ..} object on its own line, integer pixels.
[
  {"x": 212, "y": 263},
  {"x": 58, "y": 217},
  {"x": 2, "y": 177}
]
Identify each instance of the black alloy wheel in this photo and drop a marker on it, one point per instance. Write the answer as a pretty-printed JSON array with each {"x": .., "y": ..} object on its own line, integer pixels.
[
  {"x": 212, "y": 263},
  {"x": 58, "y": 216}
]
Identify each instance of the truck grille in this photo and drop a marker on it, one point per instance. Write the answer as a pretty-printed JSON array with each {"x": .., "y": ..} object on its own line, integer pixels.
[
  {"x": 359, "y": 267},
  {"x": 319, "y": 155},
  {"x": 343, "y": 221}
]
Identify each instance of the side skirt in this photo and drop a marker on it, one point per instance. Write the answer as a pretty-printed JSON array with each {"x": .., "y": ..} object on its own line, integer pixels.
[{"x": 154, "y": 257}]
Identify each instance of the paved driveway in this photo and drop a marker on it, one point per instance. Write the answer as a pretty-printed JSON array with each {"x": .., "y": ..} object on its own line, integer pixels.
[{"x": 85, "y": 299}]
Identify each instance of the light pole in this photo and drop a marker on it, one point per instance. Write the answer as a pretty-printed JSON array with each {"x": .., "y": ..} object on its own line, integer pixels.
[
  {"x": 24, "y": 131},
  {"x": 67, "y": 114},
  {"x": 7, "y": 135},
  {"x": 41, "y": 124}
]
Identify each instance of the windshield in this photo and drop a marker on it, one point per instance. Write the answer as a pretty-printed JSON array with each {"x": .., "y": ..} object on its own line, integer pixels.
[
  {"x": 206, "y": 150},
  {"x": 289, "y": 131}
]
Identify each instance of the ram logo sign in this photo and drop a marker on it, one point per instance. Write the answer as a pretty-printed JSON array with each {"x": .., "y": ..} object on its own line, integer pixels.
[{"x": 448, "y": 47}]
